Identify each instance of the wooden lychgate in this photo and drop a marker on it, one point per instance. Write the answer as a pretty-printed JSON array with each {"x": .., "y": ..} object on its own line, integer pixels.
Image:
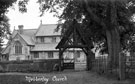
[{"x": 75, "y": 37}]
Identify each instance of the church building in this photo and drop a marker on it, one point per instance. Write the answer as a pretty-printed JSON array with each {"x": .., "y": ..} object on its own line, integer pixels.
[{"x": 36, "y": 44}]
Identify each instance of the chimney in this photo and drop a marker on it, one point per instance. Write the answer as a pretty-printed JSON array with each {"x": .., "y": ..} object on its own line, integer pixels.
[{"x": 20, "y": 29}]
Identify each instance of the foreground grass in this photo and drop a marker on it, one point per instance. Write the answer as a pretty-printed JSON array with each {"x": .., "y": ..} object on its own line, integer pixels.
[{"x": 60, "y": 78}]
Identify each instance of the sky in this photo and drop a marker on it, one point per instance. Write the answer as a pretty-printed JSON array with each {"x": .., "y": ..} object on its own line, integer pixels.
[{"x": 30, "y": 19}]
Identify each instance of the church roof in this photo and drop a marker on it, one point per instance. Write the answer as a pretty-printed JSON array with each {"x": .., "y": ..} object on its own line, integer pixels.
[
  {"x": 47, "y": 30},
  {"x": 28, "y": 39},
  {"x": 28, "y": 32},
  {"x": 28, "y": 35},
  {"x": 45, "y": 47}
]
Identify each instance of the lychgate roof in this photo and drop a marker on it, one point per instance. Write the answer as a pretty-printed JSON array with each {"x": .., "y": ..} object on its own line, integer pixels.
[{"x": 74, "y": 37}]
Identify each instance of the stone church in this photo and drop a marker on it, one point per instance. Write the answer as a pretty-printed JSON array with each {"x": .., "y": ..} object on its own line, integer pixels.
[
  {"x": 29, "y": 44},
  {"x": 36, "y": 44}
]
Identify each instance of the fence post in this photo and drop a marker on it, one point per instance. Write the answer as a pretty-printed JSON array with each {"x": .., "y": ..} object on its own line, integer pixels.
[{"x": 121, "y": 66}]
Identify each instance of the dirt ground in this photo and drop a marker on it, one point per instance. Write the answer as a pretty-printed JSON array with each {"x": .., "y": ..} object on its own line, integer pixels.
[{"x": 66, "y": 77}]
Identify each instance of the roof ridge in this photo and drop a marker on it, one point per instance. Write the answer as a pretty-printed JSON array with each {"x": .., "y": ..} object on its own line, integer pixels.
[
  {"x": 28, "y": 29},
  {"x": 31, "y": 29},
  {"x": 38, "y": 29},
  {"x": 25, "y": 29},
  {"x": 48, "y": 24}
]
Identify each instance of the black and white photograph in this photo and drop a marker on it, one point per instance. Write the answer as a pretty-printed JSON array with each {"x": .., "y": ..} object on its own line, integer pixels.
[{"x": 67, "y": 41}]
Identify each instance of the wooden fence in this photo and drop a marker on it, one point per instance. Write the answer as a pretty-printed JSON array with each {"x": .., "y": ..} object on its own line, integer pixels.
[
  {"x": 126, "y": 68},
  {"x": 130, "y": 67},
  {"x": 100, "y": 64}
]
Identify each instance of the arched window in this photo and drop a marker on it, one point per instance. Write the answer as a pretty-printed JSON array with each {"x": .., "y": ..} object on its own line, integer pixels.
[{"x": 18, "y": 47}]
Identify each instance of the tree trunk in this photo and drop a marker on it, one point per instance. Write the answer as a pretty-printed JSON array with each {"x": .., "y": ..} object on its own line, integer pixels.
[
  {"x": 110, "y": 48},
  {"x": 116, "y": 47},
  {"x": 113, "y": 41}
]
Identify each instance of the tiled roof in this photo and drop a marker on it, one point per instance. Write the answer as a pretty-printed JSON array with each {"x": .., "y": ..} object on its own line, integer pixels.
[
  {"x": 27, "y": 35},
  {"x": 49, "y": 47},
  {"x": 29, "y": 32},
  {"x": 45, "y": 47},
  {"x": 28, "y": 39},
  {"x": 14, "y": 33},
  {"x": 47, "y": 30}
]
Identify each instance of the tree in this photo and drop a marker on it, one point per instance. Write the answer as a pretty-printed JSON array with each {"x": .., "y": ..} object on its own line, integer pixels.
[
  {"x": 4, "y": 26},
  {"x": 105, "y": 22}
]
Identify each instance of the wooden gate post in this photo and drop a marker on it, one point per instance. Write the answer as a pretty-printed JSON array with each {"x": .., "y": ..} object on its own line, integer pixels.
[
  {"x": 122, "y": 66},
  {"x": 60, "y": 60},
  {"x": 88, "y": 62}
]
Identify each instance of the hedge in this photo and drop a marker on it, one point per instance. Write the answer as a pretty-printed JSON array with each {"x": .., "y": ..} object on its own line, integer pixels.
[
  {"x": 29, "y": 65},
  {"x": 22, "y": 67}
]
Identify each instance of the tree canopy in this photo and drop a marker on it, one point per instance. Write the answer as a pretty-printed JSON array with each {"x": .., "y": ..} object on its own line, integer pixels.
[
  {"x": 95, "y": 17},
  {"x": 4, "y": 25}
]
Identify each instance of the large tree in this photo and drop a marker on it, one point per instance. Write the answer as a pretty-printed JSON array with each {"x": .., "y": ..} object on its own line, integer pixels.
[
  {"x": 107, "y": 23},
  {"x": 4, "y": 25}
]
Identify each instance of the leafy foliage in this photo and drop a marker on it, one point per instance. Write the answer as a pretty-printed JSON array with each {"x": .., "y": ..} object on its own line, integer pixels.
[
  {"x": 22, "y": 5},
  {"x": 95, "y": 16},
  {"x": 4, "y": 26}
]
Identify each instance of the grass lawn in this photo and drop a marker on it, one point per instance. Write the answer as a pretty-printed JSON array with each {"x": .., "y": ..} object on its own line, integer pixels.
[{"x": 72, "y": 77}]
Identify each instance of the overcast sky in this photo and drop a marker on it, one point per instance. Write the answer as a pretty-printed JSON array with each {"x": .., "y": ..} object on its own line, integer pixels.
[{"x": 30, "y": 19}]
